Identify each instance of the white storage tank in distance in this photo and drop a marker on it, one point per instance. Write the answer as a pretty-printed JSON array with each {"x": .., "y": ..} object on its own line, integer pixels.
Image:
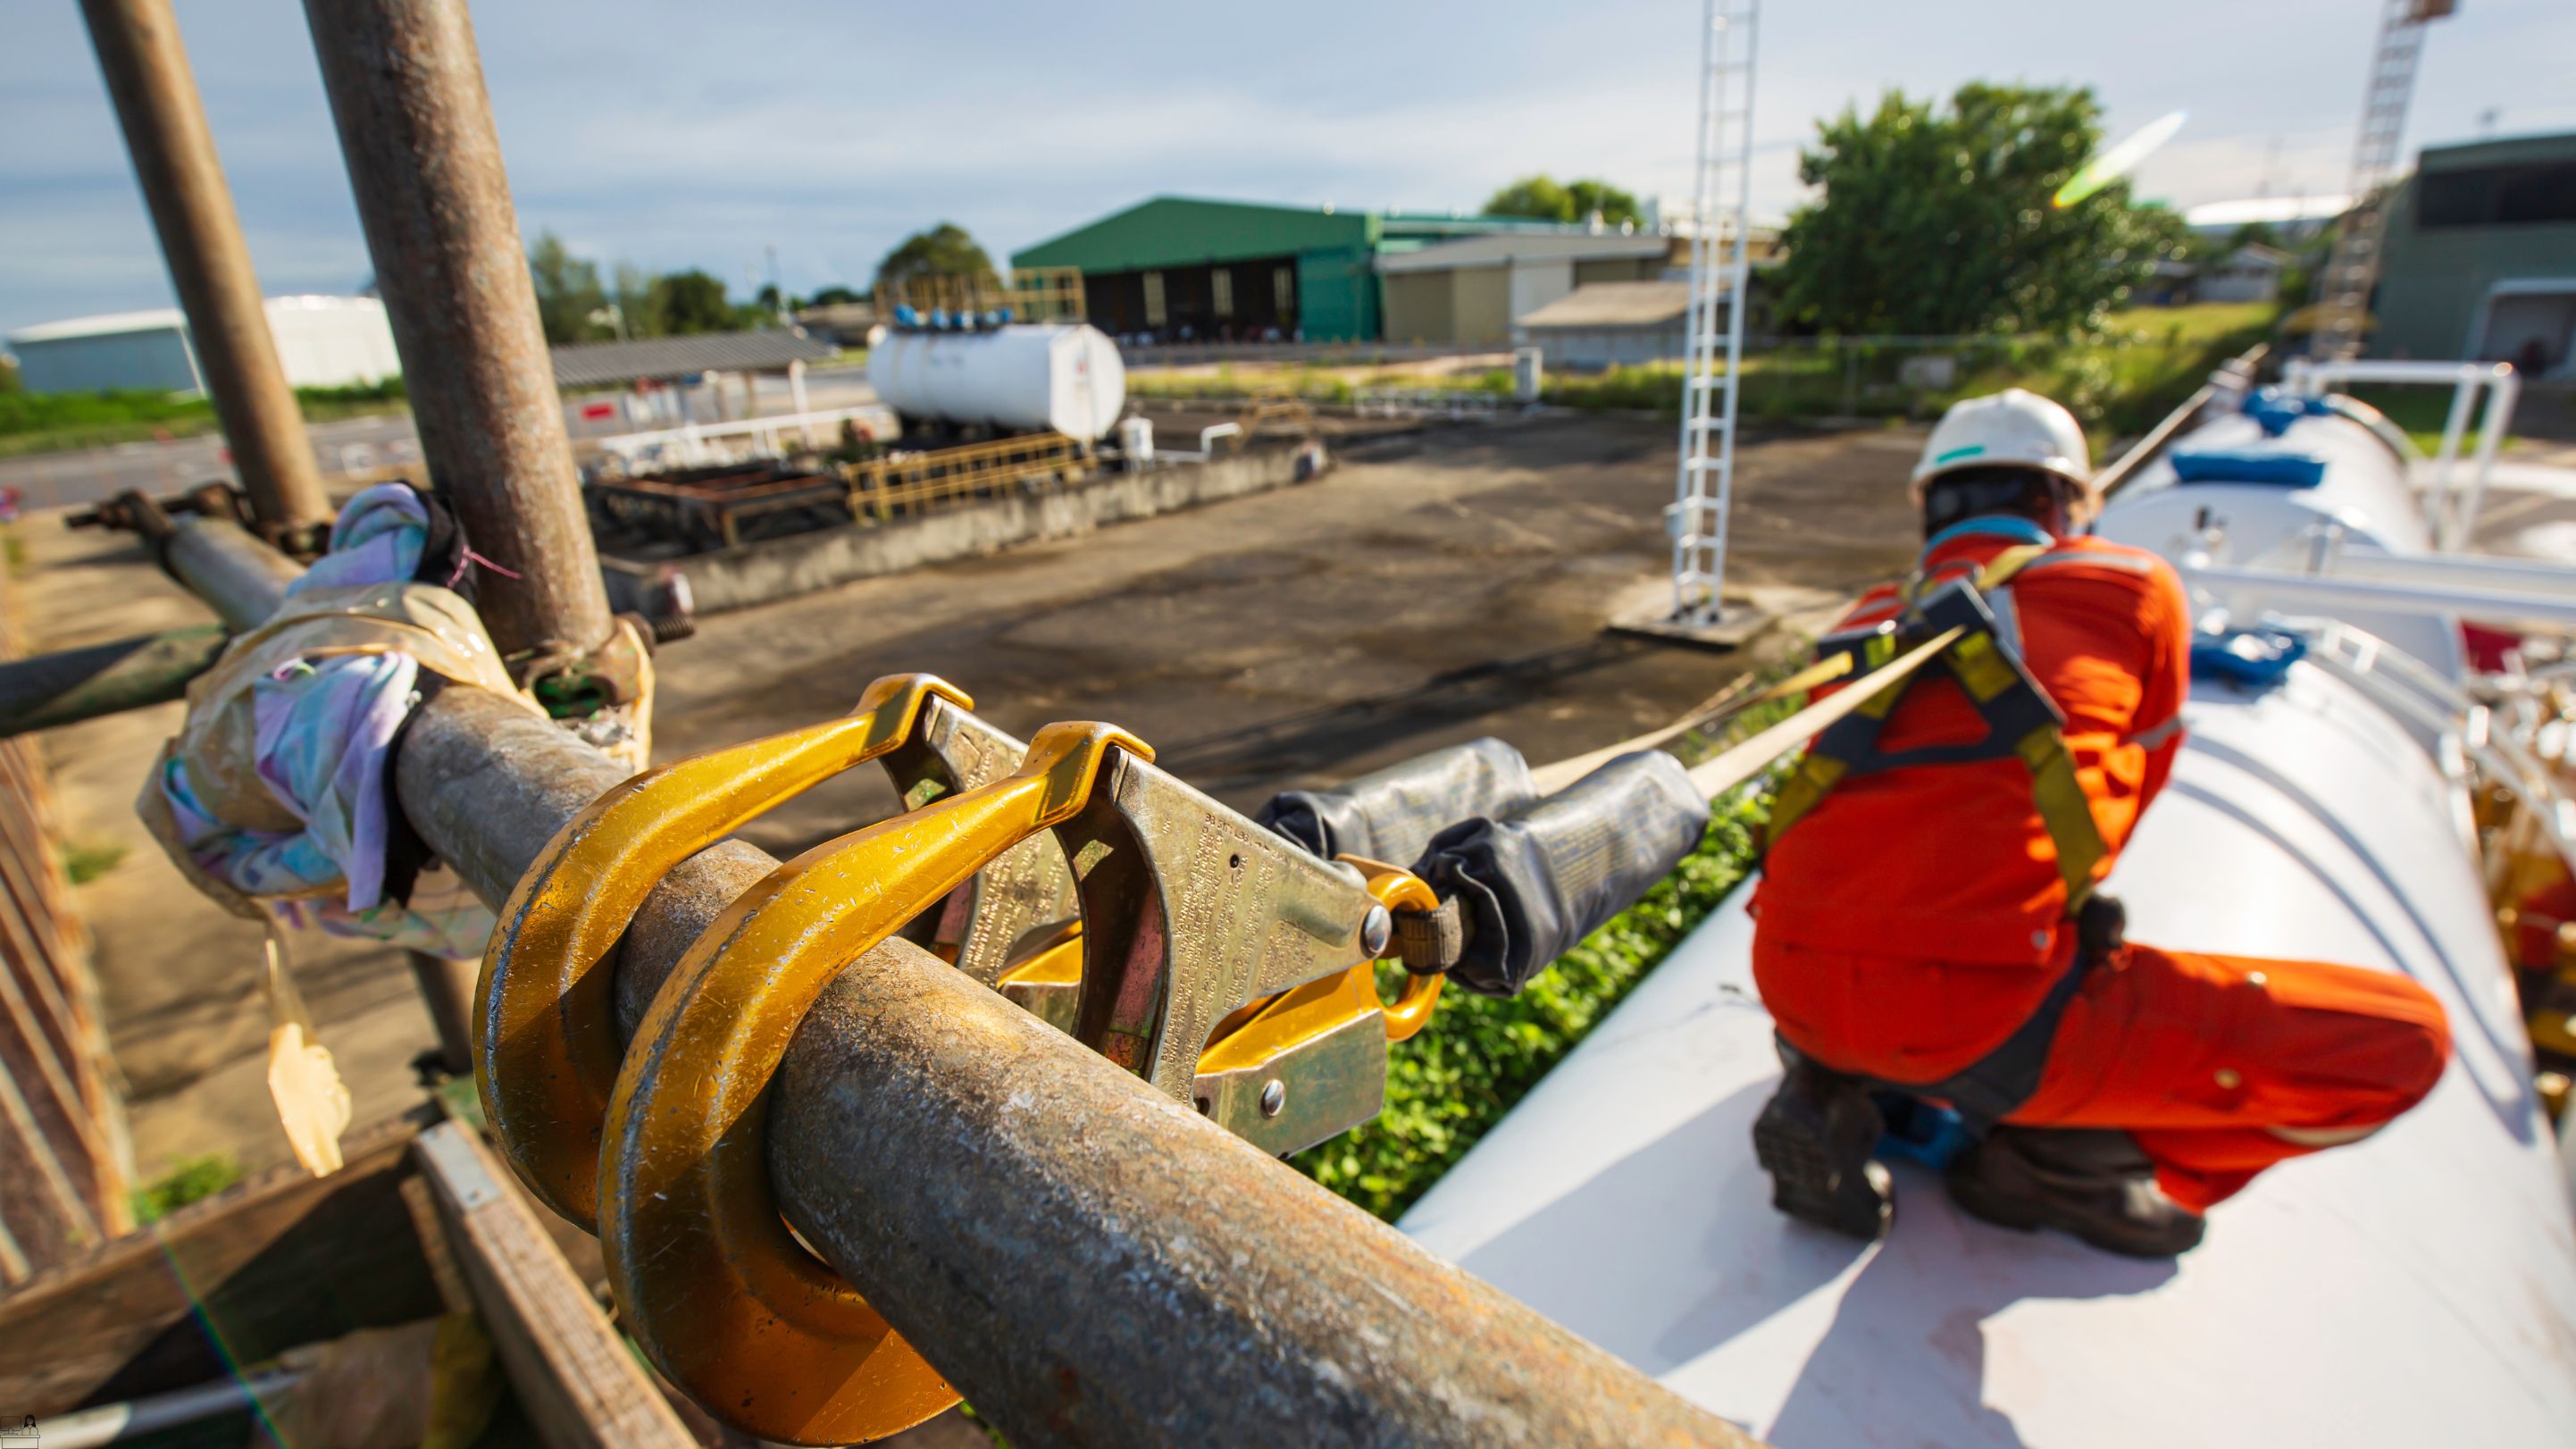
[{"x": 1057, "y": 376}]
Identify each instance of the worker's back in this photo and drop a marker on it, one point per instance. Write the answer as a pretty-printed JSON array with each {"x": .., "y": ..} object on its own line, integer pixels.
[{"x": 1953, "y": 858}]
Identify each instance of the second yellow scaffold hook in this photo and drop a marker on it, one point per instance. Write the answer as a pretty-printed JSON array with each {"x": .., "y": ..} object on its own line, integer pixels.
[
  {"x": 715, "y": 1289},
  {"x": 546, "y": 1050}
]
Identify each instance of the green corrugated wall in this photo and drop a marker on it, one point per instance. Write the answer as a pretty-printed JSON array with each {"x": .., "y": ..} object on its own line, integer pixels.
[
  {"x": 1337, "y": 282},
  {"x": 1336, "y": 278}
]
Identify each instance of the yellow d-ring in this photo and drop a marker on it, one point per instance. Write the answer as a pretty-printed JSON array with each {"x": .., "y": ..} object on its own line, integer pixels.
[
  {"x": 1402, "y": 890},
  {"x": 545, "y": 1022},
  {"x": 715, "y": 1289}
]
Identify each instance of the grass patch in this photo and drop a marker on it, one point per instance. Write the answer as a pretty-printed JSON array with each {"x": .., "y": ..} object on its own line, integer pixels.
[
  {"x": 84, "y": 862},
  {"x": 48, "y": 422},
  {"x": 2119, "y": 381},
  {"x": 192, "y": 1180}
]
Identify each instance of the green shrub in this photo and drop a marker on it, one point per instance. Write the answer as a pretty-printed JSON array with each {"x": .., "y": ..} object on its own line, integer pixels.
[
  {"x": 86, "y": 861},
  {"x": 192, "y": 1179}
]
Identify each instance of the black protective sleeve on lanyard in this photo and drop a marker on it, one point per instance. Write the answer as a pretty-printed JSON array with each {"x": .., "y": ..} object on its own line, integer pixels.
[
  {"x": 1392, "y": 814},
  {"x": 1534, "y": 882}
]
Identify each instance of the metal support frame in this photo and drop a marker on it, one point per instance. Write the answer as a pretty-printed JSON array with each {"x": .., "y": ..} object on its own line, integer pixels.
[
  {"x": 2413, "y": 691},
  {"x": 1720, "y": 261},
  {"x": 2450, "y": 523},
  {"x": 406, "y": 90},
  {"x": 52, "y": 690},
  {"x": 2505, "y": 598},
  {"x": 146, "y": 67}
]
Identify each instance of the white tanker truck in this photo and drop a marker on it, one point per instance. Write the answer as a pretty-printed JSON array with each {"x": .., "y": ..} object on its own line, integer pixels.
[{"x": 2417, "y": 1288}]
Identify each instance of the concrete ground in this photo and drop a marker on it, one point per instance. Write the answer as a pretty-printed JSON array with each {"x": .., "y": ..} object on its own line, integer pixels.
[{"x": 1432, "y": 588}]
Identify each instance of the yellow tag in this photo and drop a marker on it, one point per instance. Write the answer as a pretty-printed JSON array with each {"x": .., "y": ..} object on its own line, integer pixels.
[{"x": 312, "y": 1102}]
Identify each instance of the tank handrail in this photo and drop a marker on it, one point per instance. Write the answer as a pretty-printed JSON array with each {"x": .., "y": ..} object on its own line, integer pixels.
[
  {"x": 2503, "y": 388},
  {"x": 2408, "y": 687}
]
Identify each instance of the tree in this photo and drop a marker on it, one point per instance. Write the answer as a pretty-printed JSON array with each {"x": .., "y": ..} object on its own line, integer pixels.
[
  {"x": 634, "y": 298},
  {"x": 1595, "y": 196},
  {"x": 1545, "y": 199},
  {"x": 834, "y": 295},
  {"x": 568, "y": 291},
  {"x": 1539, "y": 197},
  {"x": 691, "y": 301},
  {"x": 944, "y": 250},
  {"x": 1944, "y": 222}
]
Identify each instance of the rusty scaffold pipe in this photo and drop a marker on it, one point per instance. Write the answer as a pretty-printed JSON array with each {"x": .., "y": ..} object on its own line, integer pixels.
[
  {"x": 406, "y": 89},
  {"x": 146, "y": 68}
]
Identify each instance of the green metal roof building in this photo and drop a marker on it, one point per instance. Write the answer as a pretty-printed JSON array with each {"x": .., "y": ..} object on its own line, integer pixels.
[
  {"x": 1181, "y": 267},
  {"x": 2480, "y": 258}
]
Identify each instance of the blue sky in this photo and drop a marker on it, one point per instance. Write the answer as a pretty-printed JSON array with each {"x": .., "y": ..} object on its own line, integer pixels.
[{"x": 674, "y": 134}]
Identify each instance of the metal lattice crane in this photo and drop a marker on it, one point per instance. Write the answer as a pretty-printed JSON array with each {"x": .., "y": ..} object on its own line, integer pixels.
[
  {"x": 1719, "y": 263},
  {"x": 2343, "y": 291}
]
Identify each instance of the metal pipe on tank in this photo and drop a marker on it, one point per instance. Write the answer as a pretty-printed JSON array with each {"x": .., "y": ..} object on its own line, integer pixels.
[
  {"x": 406, "y": 89},
  {"x": 146, "y": 67}
]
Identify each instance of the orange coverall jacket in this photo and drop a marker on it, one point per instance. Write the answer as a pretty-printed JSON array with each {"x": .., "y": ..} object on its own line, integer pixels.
[{"x": 1916, "y": 917}]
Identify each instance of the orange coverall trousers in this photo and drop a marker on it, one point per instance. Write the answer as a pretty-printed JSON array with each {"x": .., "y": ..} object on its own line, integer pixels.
[{"x": 2219, "y": 1066}]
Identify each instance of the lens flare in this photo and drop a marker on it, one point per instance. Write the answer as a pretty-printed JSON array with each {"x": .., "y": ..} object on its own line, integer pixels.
[{"x": 2118, "y": 161}]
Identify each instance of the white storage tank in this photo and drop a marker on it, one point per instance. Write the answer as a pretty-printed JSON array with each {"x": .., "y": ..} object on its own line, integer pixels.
[
  {"x": 2208, "y": 494},
  {"x": 1062, "y": 377}
]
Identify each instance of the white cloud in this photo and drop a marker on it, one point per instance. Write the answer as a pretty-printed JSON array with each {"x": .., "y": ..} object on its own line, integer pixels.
[{"x": 665, "y": 133}]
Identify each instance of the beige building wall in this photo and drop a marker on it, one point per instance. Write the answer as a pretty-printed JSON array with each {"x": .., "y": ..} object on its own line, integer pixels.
[
  {"x": 1482, "y": 305},
  {"x": 1617, "y": 269},
  {"x": 1419, "y": 307}
]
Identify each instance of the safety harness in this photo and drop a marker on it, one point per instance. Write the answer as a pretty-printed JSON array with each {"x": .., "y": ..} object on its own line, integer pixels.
[{"x": 2022, "y": 723}]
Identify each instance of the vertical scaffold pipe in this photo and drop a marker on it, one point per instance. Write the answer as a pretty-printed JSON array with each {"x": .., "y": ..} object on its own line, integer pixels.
[
  {"x": 406, "y": 90},
  {"x": 146, "y": 67}
]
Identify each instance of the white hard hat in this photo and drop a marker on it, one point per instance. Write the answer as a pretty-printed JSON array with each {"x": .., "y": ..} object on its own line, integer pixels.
[{"x": 2009, "y": 429}]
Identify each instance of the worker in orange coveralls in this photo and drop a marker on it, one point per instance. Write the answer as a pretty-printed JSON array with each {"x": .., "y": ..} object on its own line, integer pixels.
[{"x": 1928, "y": 919}]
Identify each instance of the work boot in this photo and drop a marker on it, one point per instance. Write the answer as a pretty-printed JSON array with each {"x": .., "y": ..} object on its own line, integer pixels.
[
  {"x": 1814, "y": 1137},
  {"x": 2093, "y": 1183}
]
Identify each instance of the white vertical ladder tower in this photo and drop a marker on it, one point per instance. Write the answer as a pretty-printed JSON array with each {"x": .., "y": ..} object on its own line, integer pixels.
[
  {"x": 1721, "y": 213},
  {"x": 2353, "y": 269}
]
